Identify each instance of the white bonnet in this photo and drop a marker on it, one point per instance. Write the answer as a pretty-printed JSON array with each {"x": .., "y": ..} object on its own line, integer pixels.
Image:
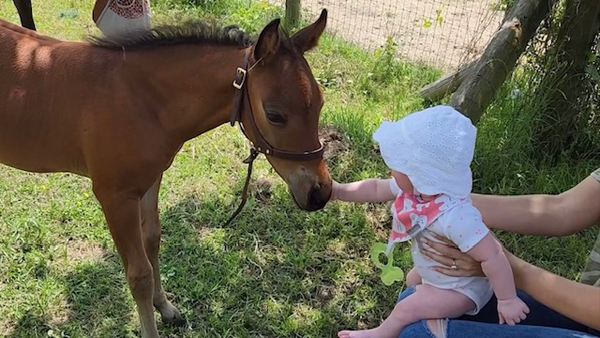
[{"x": 433, "y": 147}]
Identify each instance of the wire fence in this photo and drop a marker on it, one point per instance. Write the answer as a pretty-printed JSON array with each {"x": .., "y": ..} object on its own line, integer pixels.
[{"x": 440, "y": 33}]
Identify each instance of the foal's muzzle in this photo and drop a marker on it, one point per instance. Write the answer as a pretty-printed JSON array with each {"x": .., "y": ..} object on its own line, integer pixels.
[{"x": 317, "y": 198}]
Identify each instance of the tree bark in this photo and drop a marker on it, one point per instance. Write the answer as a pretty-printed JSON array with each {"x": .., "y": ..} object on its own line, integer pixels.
[
  {"x": 448, "y": 84},
  {"x": 569, "y": 106},
  {"x": 499, "y": 58}
]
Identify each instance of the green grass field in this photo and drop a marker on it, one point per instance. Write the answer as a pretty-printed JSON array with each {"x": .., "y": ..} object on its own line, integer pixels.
[{"x": 276, "y": 271}]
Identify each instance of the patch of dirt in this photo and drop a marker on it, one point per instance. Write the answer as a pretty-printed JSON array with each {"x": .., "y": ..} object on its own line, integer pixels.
[
  {"x": 444, "y": 33},
  {"x": 334, "y": 142},
  {"x": 325, "y": 294},
  {"x": 60, "y": 314},
  {"x": 337, "y": 248},
  {"x": 6, "y": 327},
  {"x": 206, "y": 232},
  {"x": 76, "y": 251},
  {"x": 83, "y": 251},
  {"x": 262, "y": 189},
  {"x": 380, "y": 218}
]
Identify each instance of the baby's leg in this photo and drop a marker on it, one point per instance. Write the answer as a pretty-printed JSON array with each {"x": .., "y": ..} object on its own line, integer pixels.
[
  {"x": 428, "y": 302},
  {"x": 413, "y": 278}
]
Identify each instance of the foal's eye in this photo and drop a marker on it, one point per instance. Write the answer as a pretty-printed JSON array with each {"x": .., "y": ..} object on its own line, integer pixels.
[{"x": 276, "y": 118}]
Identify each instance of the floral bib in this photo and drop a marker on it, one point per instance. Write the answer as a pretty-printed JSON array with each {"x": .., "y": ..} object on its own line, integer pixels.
[{"x": 412, "y": 215}]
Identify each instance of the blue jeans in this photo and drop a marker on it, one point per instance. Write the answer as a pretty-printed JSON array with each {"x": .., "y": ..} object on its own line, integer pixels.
[{"x": 541, "y": 322}]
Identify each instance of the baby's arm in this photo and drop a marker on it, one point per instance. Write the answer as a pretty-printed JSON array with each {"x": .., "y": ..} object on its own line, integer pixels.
[
  {"x": 496, "y": 267},
  {"x": 369, "y": 191}
]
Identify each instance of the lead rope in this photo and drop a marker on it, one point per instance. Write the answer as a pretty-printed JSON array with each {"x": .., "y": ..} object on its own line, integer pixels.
[
  {"x": 250, "y": 161},
  {"x": 253, "y": 152}
]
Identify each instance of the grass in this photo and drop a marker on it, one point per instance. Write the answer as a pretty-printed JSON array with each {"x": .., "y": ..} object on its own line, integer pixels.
[{"x": 277, "y": 271}]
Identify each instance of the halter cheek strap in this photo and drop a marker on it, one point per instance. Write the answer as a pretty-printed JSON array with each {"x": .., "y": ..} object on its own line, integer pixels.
[{"x": 242, "y": 105}]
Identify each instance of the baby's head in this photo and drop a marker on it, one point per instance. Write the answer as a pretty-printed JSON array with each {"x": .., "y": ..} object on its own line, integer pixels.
[{"x": 430, "y": 151}]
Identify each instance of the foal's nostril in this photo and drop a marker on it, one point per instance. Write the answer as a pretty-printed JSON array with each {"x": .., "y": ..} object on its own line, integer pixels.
[{"x": 316, "y": 200}]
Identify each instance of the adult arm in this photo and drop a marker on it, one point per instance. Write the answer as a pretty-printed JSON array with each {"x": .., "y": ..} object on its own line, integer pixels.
[
  {"x": 543, "y": 215},
  {"x": 578, "y": 301}
]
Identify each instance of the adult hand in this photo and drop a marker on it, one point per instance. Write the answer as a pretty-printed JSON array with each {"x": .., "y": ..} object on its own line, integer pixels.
[{"x": 456, "y": 263}]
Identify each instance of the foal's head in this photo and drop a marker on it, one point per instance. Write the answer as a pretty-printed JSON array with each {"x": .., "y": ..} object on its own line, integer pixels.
[{"x": 287, "y": 102}]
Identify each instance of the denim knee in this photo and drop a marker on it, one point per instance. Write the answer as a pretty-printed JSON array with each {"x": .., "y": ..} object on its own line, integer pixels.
[
  {"x": 417, "y": 330},
  {"x": 406, "y": 293}
]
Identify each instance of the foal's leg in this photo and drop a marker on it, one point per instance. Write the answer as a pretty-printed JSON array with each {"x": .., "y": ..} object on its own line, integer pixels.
[
  {"x": 25, "y": 13},
  {"x": 122, "y": 213},
  {"x": 151, "y": 230}
]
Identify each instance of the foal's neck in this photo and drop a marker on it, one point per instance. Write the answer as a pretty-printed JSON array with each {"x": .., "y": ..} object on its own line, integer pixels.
[{"x": 191, "y": 86}]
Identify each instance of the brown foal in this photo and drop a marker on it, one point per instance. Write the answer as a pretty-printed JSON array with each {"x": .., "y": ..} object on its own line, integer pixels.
[{"x": 119, "y": 111}]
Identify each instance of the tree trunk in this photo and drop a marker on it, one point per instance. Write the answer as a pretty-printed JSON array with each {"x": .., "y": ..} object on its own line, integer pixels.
[
  {"x": 292, "y": 14},
  {"x": 569, "y": 106},
  {"x": 448, "y": 84},
  {"x": 499, "y": 58}
]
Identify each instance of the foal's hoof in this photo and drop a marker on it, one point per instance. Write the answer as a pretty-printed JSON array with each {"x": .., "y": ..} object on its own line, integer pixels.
[{"x": 175, "y": 320}]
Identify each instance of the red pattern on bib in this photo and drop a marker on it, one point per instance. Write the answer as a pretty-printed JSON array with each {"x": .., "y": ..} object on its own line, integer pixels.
[
  {"x": 412, "y": 215},
  {"x": 129, "y": 9}
]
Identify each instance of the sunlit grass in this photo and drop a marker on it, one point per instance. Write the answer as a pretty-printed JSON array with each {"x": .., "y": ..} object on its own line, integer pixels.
[{"x": 276, "y": 271}]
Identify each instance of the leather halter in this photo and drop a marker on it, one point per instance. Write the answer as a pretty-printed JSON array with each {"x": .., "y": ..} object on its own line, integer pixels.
[{"x": 242, "y": 105}]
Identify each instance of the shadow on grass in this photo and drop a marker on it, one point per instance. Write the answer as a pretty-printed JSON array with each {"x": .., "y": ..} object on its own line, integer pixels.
[
  {"x": 98, "y": 305},
  {"x": 275, "y": 271}
]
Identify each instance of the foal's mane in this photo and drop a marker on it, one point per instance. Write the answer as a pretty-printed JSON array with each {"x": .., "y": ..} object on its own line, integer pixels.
[{"x": 193, "y": 32}]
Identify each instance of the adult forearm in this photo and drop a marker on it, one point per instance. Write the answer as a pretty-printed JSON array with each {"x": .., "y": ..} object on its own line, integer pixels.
[
  {"x": 577, "y": 301},
  {"x": 545, "y": 215},
  {"x": 528, "y": 215}
]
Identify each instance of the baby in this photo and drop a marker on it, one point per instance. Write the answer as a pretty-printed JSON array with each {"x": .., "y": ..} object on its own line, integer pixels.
[{"x": 430, "y": 154}]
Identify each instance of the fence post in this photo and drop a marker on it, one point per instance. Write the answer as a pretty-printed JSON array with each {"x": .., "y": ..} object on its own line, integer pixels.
[{"x": 292, "y": 14}]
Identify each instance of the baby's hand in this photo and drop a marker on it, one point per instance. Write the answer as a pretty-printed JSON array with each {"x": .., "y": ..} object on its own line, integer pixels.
[
  {"x": 334, "y": 191},
  {"x": 512, "y": 311}
]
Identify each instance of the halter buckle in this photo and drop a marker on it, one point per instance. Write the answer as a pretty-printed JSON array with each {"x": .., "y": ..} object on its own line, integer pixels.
[{"x": 242, "y": 77}]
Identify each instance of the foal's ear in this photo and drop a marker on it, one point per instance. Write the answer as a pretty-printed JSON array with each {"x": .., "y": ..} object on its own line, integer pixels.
[
  {"x": 308, "y": 37},
  {"x": 268, "y": 41}
]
